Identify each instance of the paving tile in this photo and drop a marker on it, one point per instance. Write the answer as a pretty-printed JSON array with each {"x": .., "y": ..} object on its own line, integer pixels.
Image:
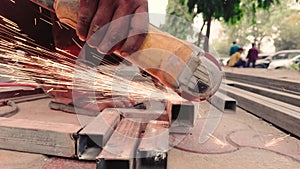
[
  {"x": 64, "y": 163},
  {"x": 277, "y": 142}
]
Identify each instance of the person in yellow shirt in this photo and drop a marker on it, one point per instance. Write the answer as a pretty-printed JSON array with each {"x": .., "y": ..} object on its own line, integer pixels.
[{"x": 236, "y": 59}]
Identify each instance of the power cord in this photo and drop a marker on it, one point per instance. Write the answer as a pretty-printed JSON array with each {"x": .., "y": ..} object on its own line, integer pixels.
[{"x": 12, "y": 111}]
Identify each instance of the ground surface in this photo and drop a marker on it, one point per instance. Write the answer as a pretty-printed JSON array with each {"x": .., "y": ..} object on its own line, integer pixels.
[
  {"x": 240, "y": 148},
  {"x": 276, "y": 74},
  {"x": 239, "y": 140}
]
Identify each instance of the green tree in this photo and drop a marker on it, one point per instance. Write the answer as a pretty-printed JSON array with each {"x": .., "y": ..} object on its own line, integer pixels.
[
  {"x": 289, "y": 34},
  {"x": 178, "y": 20},
  {"x": 229, "y": 11},
  {"x": 257, "y": 25}
]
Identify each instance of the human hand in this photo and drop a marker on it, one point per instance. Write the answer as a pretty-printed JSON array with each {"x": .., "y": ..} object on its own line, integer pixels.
[{"x": 118, "y": 24}]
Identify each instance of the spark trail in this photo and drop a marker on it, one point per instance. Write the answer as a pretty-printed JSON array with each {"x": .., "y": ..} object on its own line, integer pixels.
[{"x": 23, "y": 60}]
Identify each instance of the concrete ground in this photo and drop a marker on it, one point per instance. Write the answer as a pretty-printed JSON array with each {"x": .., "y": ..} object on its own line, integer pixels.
[
  {"x": 270, "y": 73},
  {"x": 246, "y": 158},
  {"x": 239, "y": 140}
]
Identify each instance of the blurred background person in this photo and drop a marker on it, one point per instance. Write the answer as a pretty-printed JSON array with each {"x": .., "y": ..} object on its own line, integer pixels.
[
  {"x": 236, "y": 59},
  {"x": 252, "y": 56},
  {"x": 234, "y": 48}
]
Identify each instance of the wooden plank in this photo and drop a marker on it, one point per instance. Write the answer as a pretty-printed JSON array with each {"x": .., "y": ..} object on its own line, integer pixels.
[
  {"x": 281, "y": 114},
  {"x": 223, "y": 102},
  {"x": 38, "y": 137},
  {"x": 153, "y": 149},
  {"x": 275, "y": 94},
  {"x": 290, "y": 86},
  {"x": 94, "y": 136},
  {"x": 119, "y": 152}
]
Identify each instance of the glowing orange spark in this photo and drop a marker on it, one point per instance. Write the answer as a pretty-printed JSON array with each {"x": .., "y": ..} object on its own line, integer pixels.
[
  {"x": 52, "y": 69},
  {"x": 46, "y": 21},
  {"x": 217, "y": 141},
  {"x": 76, "y": 43},
  {"x": 275, "y": 141},
  {"x": 48, "y": 91},
  {"x": 59, "y": 24}
]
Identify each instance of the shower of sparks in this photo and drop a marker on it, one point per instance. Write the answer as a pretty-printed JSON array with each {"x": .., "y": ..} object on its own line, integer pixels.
[
  {"x": 275, "y": 141},
  {"x": 76, "y": 43},
  {"x": 22, "y": 60},
  {"x": 46, "y": 21},
  {"x": 217, "y": 141}
]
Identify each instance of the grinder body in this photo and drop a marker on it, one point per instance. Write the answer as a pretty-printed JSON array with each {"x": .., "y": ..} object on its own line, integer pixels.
[{"x": 175, "y": 63}]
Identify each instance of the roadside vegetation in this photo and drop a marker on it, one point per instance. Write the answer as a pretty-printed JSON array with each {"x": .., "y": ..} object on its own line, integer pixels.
[
  {"x": 246, "y": 21},
  {"x": 270, "y": 24}
]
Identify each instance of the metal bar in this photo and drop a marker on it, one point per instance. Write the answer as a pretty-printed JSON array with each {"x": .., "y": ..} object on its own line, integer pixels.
[
  {"x": 181, "y": 113},
  {"x": 72, "y": 109},
  {"x": 152, "y": 153},
  {"x": 275, "y": 94},
  {"x": 20, "y": 92},
  {"x": 281, "y": 114},
  {"x": 223, "y": 102},
  {"x": 290, "y": 86},
  {"x": 143, "y": 115},
  {"x": 119, "y": 151},
  {"x": 38, "y": 137},
  {"x": 181, "y": 116},
  {"x": 94, "y": 136}
]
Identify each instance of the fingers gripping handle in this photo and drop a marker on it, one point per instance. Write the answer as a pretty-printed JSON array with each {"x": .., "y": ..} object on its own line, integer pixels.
[
  {"x": 161, "y": 55},
  {"x": 164, "y": 47}
]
